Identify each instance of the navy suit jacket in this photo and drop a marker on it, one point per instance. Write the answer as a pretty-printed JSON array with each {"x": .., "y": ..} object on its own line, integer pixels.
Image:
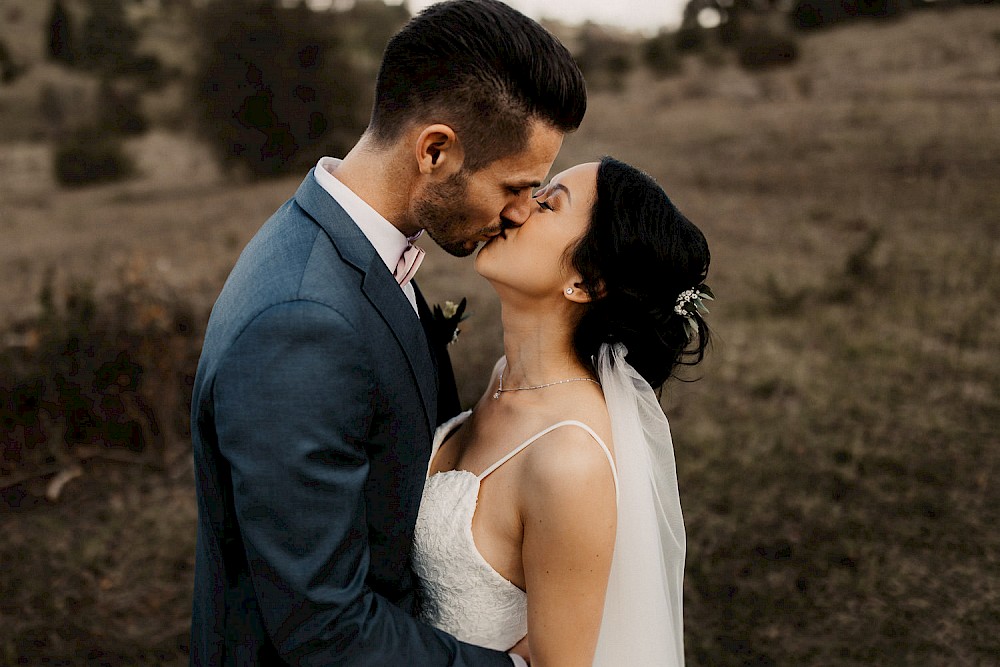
[{"x": 314, "y": 405}]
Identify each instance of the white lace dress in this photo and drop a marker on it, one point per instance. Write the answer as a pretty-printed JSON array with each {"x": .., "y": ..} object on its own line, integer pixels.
[{"x": 461, "y": 593}]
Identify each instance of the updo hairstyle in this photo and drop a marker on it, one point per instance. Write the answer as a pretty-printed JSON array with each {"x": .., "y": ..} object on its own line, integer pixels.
[{"x": 638, "y": 255}]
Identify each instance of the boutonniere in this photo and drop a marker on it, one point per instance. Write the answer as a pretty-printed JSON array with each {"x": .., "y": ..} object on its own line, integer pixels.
[{"x": 447, "y": 317}]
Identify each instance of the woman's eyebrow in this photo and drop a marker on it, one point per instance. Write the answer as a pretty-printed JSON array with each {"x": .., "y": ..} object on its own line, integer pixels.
[
  {"x": 547, "y": 190},
  {"x": 560, "y": 186}
]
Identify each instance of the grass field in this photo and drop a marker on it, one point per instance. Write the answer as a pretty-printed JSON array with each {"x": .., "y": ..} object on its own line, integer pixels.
[{"x": 838, "y": 454}]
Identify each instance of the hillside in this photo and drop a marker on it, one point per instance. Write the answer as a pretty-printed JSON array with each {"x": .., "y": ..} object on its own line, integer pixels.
[{"x": 837, "y": 454}]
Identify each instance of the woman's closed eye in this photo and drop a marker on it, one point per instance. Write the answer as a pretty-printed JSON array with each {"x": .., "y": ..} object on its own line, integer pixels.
[{"x": 545, "y": 205}]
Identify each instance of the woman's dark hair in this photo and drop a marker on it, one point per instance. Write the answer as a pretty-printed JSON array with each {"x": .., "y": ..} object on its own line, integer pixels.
[
  {"x": 482, "y": 68},
  {"x": 639, "y": 254}
]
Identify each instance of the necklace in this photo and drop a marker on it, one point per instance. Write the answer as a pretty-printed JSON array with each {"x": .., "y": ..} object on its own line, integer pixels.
[{"x": 501, "y": 390}]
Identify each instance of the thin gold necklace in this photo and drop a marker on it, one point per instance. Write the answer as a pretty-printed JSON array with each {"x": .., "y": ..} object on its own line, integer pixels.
[{"x": 501, "y": 390}]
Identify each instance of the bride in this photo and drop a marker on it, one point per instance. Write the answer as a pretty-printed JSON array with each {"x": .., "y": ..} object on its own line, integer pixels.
[{"x": 551, "y": 511}]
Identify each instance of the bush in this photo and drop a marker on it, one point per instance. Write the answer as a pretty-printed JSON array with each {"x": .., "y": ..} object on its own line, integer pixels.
[
  {"x": 120, "y": 110},
  {"x": 9, "y": 69},
  {"x": 882, "y": 9},
  {"x": 108, "y": 40},
  {"x": 276, "y": 87},
  {"x": 62, "y": 44},
  {"x": 761, "y": 49},
  {"x": 90, "y": 156},
  {"x": 604, "y": 59},
  {"x": 91, "y": 378},
  {"x": 820, "y": 13},
  {"x": 661, "y": 55}
]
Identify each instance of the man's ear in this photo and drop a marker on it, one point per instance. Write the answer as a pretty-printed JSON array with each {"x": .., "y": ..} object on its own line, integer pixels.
[{"x": 438, "y": 151}]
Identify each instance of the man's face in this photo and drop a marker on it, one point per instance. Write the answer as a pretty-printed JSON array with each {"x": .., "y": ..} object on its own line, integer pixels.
[{"x": 468, "y": 209}]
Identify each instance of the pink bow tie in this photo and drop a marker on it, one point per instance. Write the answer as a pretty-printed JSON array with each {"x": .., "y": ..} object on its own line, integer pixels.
[{"x": 408, "y": 264}]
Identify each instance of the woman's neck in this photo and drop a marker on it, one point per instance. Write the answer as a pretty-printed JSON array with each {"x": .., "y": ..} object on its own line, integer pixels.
[{"x": 538, "y": 343}]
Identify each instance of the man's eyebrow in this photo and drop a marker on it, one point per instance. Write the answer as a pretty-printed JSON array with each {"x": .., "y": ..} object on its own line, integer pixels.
[{"x": 525, "y": 184}]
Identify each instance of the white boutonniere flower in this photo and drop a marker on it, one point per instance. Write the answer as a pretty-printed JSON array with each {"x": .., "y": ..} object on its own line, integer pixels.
[{"x": 447, "y": 317}]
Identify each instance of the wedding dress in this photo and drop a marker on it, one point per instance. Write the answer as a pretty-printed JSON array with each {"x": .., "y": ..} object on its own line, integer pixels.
[{"x": 642, "y": 623}]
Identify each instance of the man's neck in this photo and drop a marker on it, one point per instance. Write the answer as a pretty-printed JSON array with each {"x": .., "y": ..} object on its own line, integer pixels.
[{"x": 375, "y": 175}]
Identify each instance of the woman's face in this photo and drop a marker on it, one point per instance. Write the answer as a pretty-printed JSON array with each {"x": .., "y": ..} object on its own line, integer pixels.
[{"x": 533, "y": 259}]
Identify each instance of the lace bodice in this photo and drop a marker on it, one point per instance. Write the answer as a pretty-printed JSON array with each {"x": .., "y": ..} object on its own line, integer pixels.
[{"x": 461, "y": 592}]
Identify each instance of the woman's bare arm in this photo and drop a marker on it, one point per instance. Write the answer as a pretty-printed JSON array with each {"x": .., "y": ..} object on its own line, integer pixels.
[{"x": 568, "y": 510}]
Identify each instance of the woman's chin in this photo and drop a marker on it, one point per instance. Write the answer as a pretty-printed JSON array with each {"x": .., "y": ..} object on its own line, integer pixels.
[
  {"x": 487, "y": 244},
  {"x": 487, "y": 264}
]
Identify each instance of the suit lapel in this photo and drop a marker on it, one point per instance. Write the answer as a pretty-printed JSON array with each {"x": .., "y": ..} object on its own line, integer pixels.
[
  {"x": 378, "y": 286},
  {"x": 448, "y": 403}
]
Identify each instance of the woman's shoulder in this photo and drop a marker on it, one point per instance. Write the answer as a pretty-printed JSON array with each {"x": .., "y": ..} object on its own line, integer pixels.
[
  {"x": 568, "y": 490},
  {"x": 574, "y": 458}
]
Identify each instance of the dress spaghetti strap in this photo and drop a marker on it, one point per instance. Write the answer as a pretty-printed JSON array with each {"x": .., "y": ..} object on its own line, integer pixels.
[{"x": 572, "y": 422}]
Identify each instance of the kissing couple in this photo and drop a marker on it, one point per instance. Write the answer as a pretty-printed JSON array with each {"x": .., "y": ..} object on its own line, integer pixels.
[{"x": 349, "y": 513}]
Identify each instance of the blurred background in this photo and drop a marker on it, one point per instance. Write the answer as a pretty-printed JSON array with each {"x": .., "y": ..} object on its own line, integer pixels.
[{"x": 837, "y": 451}]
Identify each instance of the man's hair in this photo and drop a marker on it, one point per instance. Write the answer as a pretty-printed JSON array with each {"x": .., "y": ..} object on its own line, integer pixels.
[{"x": 482, "y": 68}]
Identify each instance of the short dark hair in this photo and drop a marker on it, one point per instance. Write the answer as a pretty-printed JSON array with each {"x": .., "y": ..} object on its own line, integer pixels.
[
  {"x": 639, "y": 253},
  {"x": 482, "y": 68}
]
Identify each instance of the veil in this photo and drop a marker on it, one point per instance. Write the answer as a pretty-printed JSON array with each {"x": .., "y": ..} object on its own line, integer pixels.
[{"x": 643, "y": 613}]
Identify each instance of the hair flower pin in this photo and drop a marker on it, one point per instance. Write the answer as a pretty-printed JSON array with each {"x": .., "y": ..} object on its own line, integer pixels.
[
  {"x": 447, "y": 317},
  {"x": 689, "y": 302}
]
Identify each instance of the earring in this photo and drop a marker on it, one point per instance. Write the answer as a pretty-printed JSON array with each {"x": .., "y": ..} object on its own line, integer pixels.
[{"x": 569, "y": 290}]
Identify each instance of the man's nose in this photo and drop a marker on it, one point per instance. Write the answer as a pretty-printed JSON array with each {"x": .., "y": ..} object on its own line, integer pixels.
[{"x": 517, "y": 213}]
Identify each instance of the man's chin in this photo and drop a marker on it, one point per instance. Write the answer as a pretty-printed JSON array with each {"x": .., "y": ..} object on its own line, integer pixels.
[{"x": 460, "y": 248}]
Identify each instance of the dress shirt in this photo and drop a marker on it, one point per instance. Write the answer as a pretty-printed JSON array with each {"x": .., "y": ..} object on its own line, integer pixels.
[{"x": 388, "y": 241}]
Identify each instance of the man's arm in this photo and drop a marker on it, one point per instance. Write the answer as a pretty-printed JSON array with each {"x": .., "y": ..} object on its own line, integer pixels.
[{"x": 293, "y": 403}]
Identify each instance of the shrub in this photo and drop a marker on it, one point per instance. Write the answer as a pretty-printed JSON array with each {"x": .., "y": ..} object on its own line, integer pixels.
[
  {"x": 761, "y": 49},
  {"x": 120, "y": 110},
  {"x": 108, "y": 40},
  {"x": 819, "y": 13},
  {"x": 89, "y": 156},
  {"x": 807, "y": 14},
  {"x": 661, "y": 55},
  {"x": 689, "y": 38},
  {"x": 9, "y": 69},
  {"x": 605, "y": 59},
  {"x": 90, "y": 377},
  {"x": 62, "y": 43}
]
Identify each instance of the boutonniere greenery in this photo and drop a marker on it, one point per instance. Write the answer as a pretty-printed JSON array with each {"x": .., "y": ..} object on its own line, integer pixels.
[{"x": 447, "y": 317}]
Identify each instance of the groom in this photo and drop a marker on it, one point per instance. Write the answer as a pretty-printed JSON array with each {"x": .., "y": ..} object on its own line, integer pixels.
[{"x": 318, "y": 391}]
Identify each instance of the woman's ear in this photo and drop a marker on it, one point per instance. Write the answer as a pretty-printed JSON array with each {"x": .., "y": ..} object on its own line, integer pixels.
[
  {"x": 575, "y": 291},
  {"x": 438, "y": 151}
]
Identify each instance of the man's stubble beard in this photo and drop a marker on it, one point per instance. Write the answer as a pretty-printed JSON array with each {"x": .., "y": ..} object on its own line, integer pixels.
[{"x": 441, "y": 212}]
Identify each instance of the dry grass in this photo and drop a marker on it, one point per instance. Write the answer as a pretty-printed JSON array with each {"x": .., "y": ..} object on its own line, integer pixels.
[{"x": 837, "y": 457}]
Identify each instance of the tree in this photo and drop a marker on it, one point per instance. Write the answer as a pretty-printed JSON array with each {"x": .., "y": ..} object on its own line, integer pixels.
[
  {"x": 62, "y": 45},
  {"x": 660, "y": 54},
  {"x": 604, "y": 58},
  {"x": 275, "y": 86},
  {"x": 109, "y": 41}
]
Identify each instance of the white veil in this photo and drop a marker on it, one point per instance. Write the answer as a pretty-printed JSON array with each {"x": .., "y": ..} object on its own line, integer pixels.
[{"x": 643, "y": 611}]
